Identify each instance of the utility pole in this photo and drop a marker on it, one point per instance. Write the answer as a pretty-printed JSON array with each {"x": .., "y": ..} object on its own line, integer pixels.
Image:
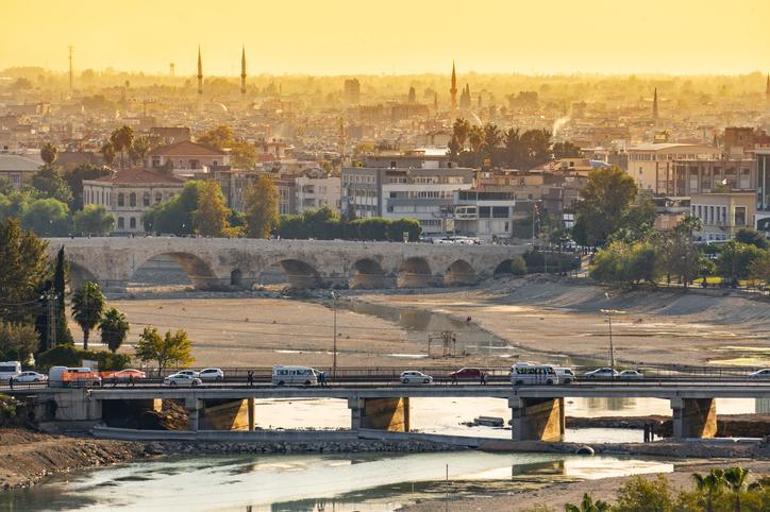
[
  {"x": 609, "y": 313},
  {"x": 50, "y": 297}
]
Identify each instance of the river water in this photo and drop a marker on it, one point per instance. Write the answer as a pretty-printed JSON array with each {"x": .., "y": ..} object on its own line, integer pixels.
[{"x": 352, "y": 482}]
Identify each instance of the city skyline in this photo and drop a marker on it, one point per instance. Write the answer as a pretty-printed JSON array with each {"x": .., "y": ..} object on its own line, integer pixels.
[{"x": 595, "y": 37}]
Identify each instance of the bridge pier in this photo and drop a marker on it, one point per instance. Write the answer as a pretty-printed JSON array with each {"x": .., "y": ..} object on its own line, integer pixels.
[
  {"x": 537, "y": 419},
  {"x": 391, "y": 414},
  {"x": 193, "y": 406},
  {"x": 227, "y": 414},
  {"x": 694, "y": 417}
]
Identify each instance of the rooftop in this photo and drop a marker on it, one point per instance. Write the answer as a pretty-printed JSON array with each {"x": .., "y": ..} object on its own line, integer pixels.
[
  {"x": 138, "y": 176},
  {"x": 186, "y": 148},
  {"x": 10, "y": 162}
]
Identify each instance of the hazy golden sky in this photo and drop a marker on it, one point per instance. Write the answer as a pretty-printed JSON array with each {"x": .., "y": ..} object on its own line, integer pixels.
[{"x": 394, "y": 36}]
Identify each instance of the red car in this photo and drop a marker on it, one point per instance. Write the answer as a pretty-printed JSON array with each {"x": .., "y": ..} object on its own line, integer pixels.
[
  {"x": 126, "y": 375},
  {"x": 466, "y": 374}
]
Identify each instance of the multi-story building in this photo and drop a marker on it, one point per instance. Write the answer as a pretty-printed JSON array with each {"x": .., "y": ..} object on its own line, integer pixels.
[
  {"x": 651, "y": 165},
  {"x": 128, "y": 194},
  {"x": 762, "y": 221},
  {"x": 483, "y": 214},
  {"x": 702, "y": 176},
  {"x": 413, "y": 186},
  {"x": 316, "y": 189},
  {"x": 17, "y": 169},
  {"x": 724, "y": 213},
  {"x": 187, "y": 158}
]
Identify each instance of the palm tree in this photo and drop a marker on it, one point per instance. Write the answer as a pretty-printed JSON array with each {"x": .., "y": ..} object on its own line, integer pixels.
[
  {"x": 512, "y": 143},
  {"x": 114, "y": 327},
  {"x": 138, "y": 150},
  {"x": 87, "y": 308},
  {"x": 709, "y": 486},
  {"x": 588, "y": 505},
  {"x": 735, "y": 478},
  {"x": 108, "y": 153},
  {"x": 122, "y": 139},
  {"x": 476, "y": 138},
  {"x": 460, "y": 130},
  {"x": 48, "y": 153}
]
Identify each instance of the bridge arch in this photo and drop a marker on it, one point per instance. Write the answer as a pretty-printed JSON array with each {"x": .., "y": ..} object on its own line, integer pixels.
[
  {"x": 79, "y": 274},
  {"x": 460, "y": 273},
  {"x": 236, "y": 278},
  {"x": 504, "y": 267},
  {"x": 367, "y": 273},
  {"x": 414, "y": 272},
  {"x": 166, "y": 265},
  {"x": 295, "y": 272}
]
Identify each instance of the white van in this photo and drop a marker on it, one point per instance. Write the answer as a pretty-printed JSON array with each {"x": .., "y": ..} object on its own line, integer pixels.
[
  {"x": 566, "y": 375},
  {"x": 533, "y": 374},
  {"x": 294, "y": 376},
  {"x": 9, "y": 370}
]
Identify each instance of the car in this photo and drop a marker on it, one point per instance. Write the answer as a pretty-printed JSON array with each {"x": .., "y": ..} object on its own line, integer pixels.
[
  {"x": 182, "y": 379},
  {"x": 212, "y": 374},
  {"x": 27, "y": 377},
  {"x": 414, "y": 377},
  {"x": 127, "y": 374},
  {"x": 566, "y": 375},
  {"x": 630, "y": 375},
  {"x": 601, "y": 373},
  {"x": 760, "y": 374},
  {"x": 466, "y": 374},
  {"x": 191, "y": 373}
]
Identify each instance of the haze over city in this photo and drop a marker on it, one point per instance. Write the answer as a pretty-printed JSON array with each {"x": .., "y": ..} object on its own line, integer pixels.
[{"x": 400, "y": 36}]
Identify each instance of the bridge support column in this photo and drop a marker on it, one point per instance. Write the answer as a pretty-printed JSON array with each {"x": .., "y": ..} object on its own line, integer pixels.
[
  {"x": 390, "y": 414},
  {"x": 537, "y": 419},
  {"x": 694, "y": 417},
  {"x": 252, "y": 417},
  {"x": 193, "y": 407}
]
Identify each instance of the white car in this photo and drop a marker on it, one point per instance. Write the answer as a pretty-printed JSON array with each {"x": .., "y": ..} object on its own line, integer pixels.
[
  {"x": 631, "y": 375},
  {"x": 413, "y": 377},
  {"x": 26, "y": 377},
  {"x": 760, "y": 374},
  {"x": 602, "y": 373},
  {"x": 211, "y": 374},
  {"x": 182, "y": 379},
  {"x": 191, "y": 373}
]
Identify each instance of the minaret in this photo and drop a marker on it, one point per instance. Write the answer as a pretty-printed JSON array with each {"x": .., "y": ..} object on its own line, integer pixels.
[
  {"x": 71, "y": 70},
  {"x": 767, "y": 88},
  {"x": 243, "y": 70},
  {"x": 655, "y": 105},
  {"x": 453, "y": 90},
  {"x": 200, "y": 72}
]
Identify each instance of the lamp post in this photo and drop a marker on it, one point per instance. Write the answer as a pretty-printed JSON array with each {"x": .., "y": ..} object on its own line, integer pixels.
[
  {"x": 609, "y": 313},
  {"x": 334, "y": 335}
]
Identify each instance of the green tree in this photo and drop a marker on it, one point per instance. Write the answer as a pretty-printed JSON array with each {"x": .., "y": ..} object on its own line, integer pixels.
[
  {"x": 682, "y": 258},
  {"x": 47, "y": 217},
  {"x": 175, "y": 216},
  {"x": 644, "y": 495},
  {"x": 607, "y": 198},
  {"x": 23, "y": 271},
  {"x": 565, "y": 150},
  {"x": 48, "y": 153},
  {"x": 759, "y": 268},
  {"x": 17, "y": 341},
  {"x": 588, "y": 505},
  {"x": 736, "y": 480},
  {"x": 709, "y": 487},
  {"x": 244, "y": 154},
  {"x": 75, "y": 177},
  {"x": 622, "y": 264},
  {"x": 138, "y": 150},
  {"x": 261, "y": 208},
  {"x": 735, "y": 260},
  {"x": 63, "y": 334},
  {"x": 87, "y": 308},
  {"x": 48, "y": 182},
  {"x": 168, "y": 350},
  {"x": 211, "y": 216},
  {"x": 93, "y": 220},
  {"x": 114, "y": 328},
  {"x": 109, "y": 153},
  {"x": 751, "y": 237},
  {"x": 460, "y": 130}
]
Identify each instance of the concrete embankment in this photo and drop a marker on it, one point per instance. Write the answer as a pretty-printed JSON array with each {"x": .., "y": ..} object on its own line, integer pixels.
[{"x": 728, "y": 425}]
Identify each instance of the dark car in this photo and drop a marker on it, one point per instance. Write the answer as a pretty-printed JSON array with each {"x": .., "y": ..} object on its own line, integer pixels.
[{"x": 466, "y": 374}]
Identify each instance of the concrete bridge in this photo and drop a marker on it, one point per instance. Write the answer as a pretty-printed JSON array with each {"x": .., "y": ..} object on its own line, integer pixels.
[
  {"x": 537, "y": 412},
  {"x": 216, "y": 263}
]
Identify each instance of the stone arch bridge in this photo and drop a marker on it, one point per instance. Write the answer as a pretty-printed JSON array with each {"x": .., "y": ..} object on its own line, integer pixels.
[{"x": 218, "y": 263}]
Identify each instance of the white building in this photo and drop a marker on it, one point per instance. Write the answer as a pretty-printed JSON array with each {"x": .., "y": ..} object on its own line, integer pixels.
[
  {"x": 485, "y": 215},
  {"x": 316, "y": 189},
  {"x": 129, "y": 193},
  {"x": 652, "y": 165}
]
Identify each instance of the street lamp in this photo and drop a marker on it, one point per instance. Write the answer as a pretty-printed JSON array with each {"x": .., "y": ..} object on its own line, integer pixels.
[
  {"x": 334, "y": 335},
  {"x": 609, "y": 313}
]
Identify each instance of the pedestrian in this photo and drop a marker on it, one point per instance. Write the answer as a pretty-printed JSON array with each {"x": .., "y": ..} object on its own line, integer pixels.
[
  {"x": 483, "y": 377},
  {"x": 454, "y": 378},
  {"x": 10, "y": 383},
  {"x": 250, "y": 378},
  {"x": 131, "y": 381},
  {"x": 322, "y": 379}
]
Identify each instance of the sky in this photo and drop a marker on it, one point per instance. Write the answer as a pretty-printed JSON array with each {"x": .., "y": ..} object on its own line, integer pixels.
[{"x": 340, "y": 37}]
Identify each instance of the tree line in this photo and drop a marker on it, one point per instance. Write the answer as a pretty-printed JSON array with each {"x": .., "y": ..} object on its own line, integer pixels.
[
  {"x": 325, "y": 224},
  {"x": 490, "y": 146}
]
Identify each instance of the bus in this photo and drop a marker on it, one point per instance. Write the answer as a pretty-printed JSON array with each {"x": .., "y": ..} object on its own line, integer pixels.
[
  {"x": 533, "y": 374},
  {"x": 294, "y": 376},
  {"x": 9, "y": 369}
]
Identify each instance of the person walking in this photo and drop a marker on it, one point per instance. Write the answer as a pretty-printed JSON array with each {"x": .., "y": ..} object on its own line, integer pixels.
[
  {"x": 483, "y": 377},
  {"x": 322, "y": 379},
  {"x": 250, "y": 378}
]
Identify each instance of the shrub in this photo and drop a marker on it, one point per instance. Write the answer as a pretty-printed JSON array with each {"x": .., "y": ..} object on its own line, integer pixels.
[{"x": 69, "y": 355}]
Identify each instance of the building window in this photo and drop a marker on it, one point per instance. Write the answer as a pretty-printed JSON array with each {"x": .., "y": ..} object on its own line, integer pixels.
[
  {"x": 121, "y": 223},
  {"x": 146, "y": 199},
  {"x": 158, "y": 197},
  {"x": 121, "y": 199},
  {"x": 132, "y": 222},
  {"x": 132, "y": 199},
  {"x": 740, "y": 215}
]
